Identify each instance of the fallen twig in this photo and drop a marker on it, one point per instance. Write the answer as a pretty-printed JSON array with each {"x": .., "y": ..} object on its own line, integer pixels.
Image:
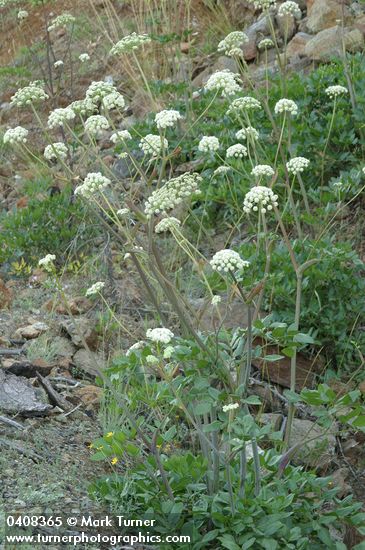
[
  {"x": 11, "y": 422},
  {"x": 10, "y": 351},
  {"x": 54, "y": 396}
]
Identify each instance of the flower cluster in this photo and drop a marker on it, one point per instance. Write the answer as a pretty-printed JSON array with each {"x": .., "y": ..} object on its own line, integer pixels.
[
  {"x": 289, "y": 8},
  {"x": 160, "y": 335},
  {"x": 335, "y": 91},
  {"x": 230, "y": 407},
  {"x": 138, "y": 345},
  {"x": 240, "y": 104},
  {"x": 263, "y": 4},
  {"x": 222, "y": 170},
  {"x": 95, "y": 288},
  {"x": 231, "y": 44},
  {"x": 83, "y": 107},
  {"x": 96, "y": 124},
  {"x": 16, "y": 135},
  {"x": 236, "y": 151},
  {"x": 297, "y": 164},
  {"x": 248, "y": 133},
  {"x": 58, "y": 63},
  {"x": 30, "y": 94},
  {"x": 216, "y": 300},
  {"x": 22, "y": 14},
  {"x": 153, "y": 145},
  {"x": 130, "y": 43},
  {"x": 172, "y": 193},
  {"x": 259, "y": 198},
  {"x": 58, "y": 117},
  {"x": 93, "y": 183},
  {"x": 61, "y": 21},
  {"x": 56, "y": 151},
  {"x": 114, "y": 100},
  {"x": 227, "y": 260},
  {"x": 120, "y": 135},
  {"x": 208, "y": 144},
  {"x": 98, "y": 89},
  {"x": 265, "y": 44},
  {"x": 167, "y": 118},
  {"x": 47, "y": 262},
  {"x": 122, "y": 212},
  {"x": 286, "y": 106},
  {"x": 225, "y": 82},
  {"x": 262, "y": 170},
  {"x": 84, "y": 57},
  {"x": 167, "y": 224}
]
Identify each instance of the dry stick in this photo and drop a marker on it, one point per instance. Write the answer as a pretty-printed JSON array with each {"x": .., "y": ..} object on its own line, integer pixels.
[
  {"x": 10, "y": 422},
  {"x": 157, "y": 456},
  {"x": 54, "y": 396}
]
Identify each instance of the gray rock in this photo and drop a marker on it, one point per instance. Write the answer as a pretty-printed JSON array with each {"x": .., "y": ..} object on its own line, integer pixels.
[
  {"x": 124, "y": 167},
  {"x": 17, "y": 396},
  {"x": 88, "y": 361},
  {"x": 316, "y": 446},
  {"x": 328, "y": 43},
  {"x": 323, "y": 14}
]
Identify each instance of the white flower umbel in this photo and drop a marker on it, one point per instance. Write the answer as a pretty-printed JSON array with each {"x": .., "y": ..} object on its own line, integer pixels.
[
  {"x": 130, "y": 43},
  {"x": 248, "y": 133},
  {"x": 99, "y": 89},
  {"x": 230, "y": 407},
  {"x": 289, "y": 8},
  {"x": 208, "y": 144},
  {"x": 225, "y": 82},
  {"x": 167, "y": 118},
  {"x": 56, "y": 151},
  {"x": 336, "y": 91},
  {"x": 138, "y": 345},
  {"x": 262, "y": 170},
  {"x": 28, "y": 95},
  {"x": 63, "y": 20},
  {"x": 263, "y": 4},
  {"x": 216, "y": 300},
  {"x": 160, "y": 335},
  {"x": 95, "y": 289},
  {"x": 47, "y": 262},
  {"x": 286, "y": 106},
  {"x": 83, "y": 107},
  {"x": 265, "y": 44},
  {"x": 94, "y": 183},
  {"x": 59, "y": 117},
  {"x": 228, "y": 260},
  {"x": 237, "y": 151},
  {"x": 83, "y": 57},
  {"x": 120, "y": 136},
  {"x": 231, "y": 44},
  {"x": 297, "y": 164},
  {"x": 259, "y": 199},
  {"x": 115, "y": 100},
  {"x": 58, "y": 64},
  {"x": 242, "y": 104},
  {"x": 153, "y": 145},
  {"x": 167, "y": 224},
  {"x": 22, "y": 14},
  {"x": 17, "y": 135},
  {"x": 222, "y": 170},
  {"x": 95, "y": 124},
  {"x": 174, "y": 192},
  {"x": 123, "y": 212}
]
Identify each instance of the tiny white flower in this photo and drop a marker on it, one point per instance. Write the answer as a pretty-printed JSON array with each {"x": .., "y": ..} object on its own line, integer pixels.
[
  {"x": 262, "y": 170},
  {"x": 32, "y": 93},
  {"x": 152, "y": 359},
  {"x": 225, "y": 82},
  {"x": 248, "y": 133},
  {"x": 63, "y": 20},
  {"x": 259, "y": 199},
  {"x": 120, "y": 136},
  {"x": 93, "y": 184},
  {"x": 17, "y": 135},
  {"x": 130, "y": 43},
  {"x": 22, "y": 14},
  {"x": 230, "y": 46},
  {"x": 167, "y": 224},
  {"x": 58, "y": 64},
  {"x": 153, "y": 145},
  {"x": 230, "y": 407},
  {"x": 241, "y": 104},
  {"x": 297, "y": 164},
  {"x": 59, "y": 117},
  {"x": 265, "y": 44},
  {"x": 123, "y": 212},
  {"x": 47, "y": 262},
  {"x": 138, "y": 345},
  {"x": 222, "y": 170},
  {"x": 290, "y": 8},
  {"x": 95, "y": 124},
  {"x": 172, "y": 193},
  {"x": 263, "y": 4},
  {"x": 83, "y": 57},
  {"x": 168, "y": 352},
  {"x": 336, "y": 91},
  {"x": 114, "y": 100},
  {"x": 216, "y": 300},
  {"x": 56, "y": 151}
]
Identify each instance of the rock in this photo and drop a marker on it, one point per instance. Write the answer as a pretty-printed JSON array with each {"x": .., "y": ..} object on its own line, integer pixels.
[
  {"x": 81, "y": 330},
  {"x": 88, "y": 361},
  {"x": 17, "y": 396},
  {"x": 323, "y": 14},
  {"x": 31, "y": 331},
  {"x": 270, "y": 402},
  {"x": 339, "y": 480},
  {"x": 29, "y": 369},
  {"x": 275, "y": 420},
  {"x": 90, "y": 396},
  {"x": 297, "y": 44},
  {"x": 125, "y": 167},
  {"x": 359, "y": 23},
  {"x": 287, "y": 26},
  {"x": 76, "y": 306},
  {"x": 328, "y": 43},
  {"x": 362, "y": 387},
  {"x": 226, "y": 314},
  {"x": 312, "y": 452},
  {"x": 278, "y": 372}
]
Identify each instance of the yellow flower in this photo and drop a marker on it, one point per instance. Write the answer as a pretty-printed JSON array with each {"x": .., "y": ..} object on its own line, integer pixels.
[
  {"x": 91, "y": 446},
  {"x": 109, "y": 434},
  {"x": 114, "y": 460}
]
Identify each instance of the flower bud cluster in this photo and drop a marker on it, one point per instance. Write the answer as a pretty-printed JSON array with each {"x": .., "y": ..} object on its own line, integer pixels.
[
  {"x": 297, "y": 164},
  {"x": 259, "y": 199},
  {"x": 56, "y": 151},
  {"x": 153, "y": 145},
  {"x": 95, "y": 124},
  {"x": 167, "y": 118},
  {"x": 58, "y": 117},
  {"x": 32, "y": 93},
  {"x": 208, "y": 144},
  {"x": 225, "y": 82},
  {"x": 130, "y": 43},
  {"x": 167, "y": 224},
  {"x": 231, "y": 44},
  {"x": 227, "y": 260},
  {"x": 93, "y": 183},
  {"x": 15, "y": 135},
  {"x": 236, "y": 151}
]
